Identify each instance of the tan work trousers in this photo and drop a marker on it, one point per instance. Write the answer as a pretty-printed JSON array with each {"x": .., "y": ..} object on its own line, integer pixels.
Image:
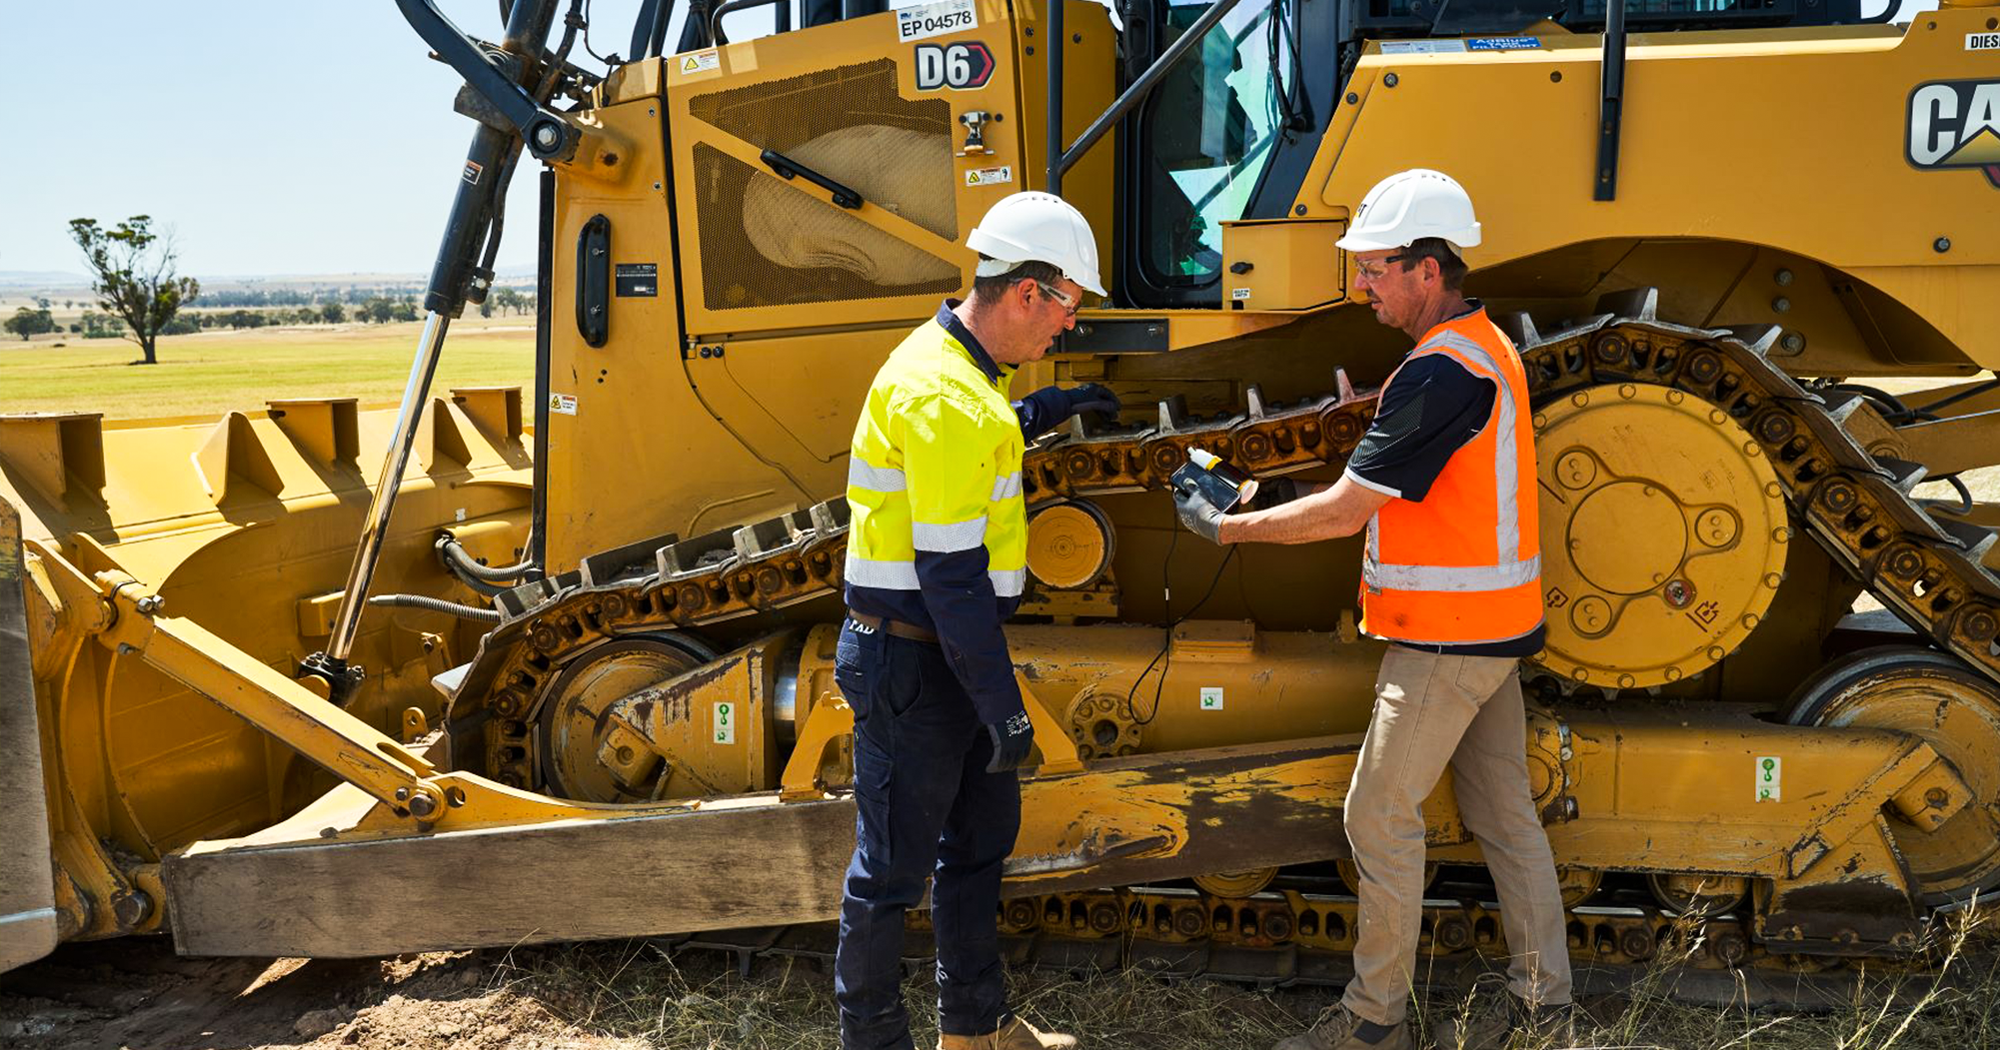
[{"x": 1432, "y": 709}]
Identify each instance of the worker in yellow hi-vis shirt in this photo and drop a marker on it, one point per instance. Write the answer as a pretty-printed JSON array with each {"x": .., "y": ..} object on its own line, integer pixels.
[{"x": 936, "y": 557}]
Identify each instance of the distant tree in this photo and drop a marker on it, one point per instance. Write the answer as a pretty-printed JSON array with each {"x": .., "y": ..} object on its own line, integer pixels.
[
  {"x": 69, "y": 304},
  {"x": 512, "y": 301},
  {"x": 133, "y": 274},
  {"x": 332, "y": 312},
  {"x": 42, "y": 303},
  {"x": 100, "y": 326},
  {"x": 405, "y": 309},
  {"x": 378, "y": 309},
  {"x": 28, "y": 322}
]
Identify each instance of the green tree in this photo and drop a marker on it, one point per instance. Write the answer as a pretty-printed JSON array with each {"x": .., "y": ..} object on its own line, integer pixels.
[
  {"x": 133, "y": 274},
  {"x": 28, "y": 322},
  {"x": 378, "y": 309},
  {"x": 332, "y": 312}
]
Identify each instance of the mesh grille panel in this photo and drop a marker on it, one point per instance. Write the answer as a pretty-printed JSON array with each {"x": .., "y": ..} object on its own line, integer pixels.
[
  {"x": 764, "y": 243},
  {"x": 797, "y": 116}
]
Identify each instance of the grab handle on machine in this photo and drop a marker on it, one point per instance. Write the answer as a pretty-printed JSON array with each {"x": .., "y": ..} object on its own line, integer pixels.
[{"x": 787, "y": 167}]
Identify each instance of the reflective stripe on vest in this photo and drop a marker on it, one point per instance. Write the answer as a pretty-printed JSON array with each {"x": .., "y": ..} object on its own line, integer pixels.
[
  {"x": 1512, "y": 570},
  {"x": 1420, "y": 601}
]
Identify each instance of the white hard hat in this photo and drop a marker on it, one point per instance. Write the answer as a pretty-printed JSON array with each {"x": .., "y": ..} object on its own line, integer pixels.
[
  {"x": 1411, "y": 205},
  {"x": 1038, "y": 227}
]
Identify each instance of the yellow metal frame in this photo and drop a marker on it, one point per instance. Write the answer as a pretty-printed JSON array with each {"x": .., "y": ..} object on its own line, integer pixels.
[{"x": 1715, "y": 106}]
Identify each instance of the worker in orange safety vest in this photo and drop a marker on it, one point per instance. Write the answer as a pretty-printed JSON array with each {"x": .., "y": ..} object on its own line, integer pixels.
[{"x": 1444, "y": 484}]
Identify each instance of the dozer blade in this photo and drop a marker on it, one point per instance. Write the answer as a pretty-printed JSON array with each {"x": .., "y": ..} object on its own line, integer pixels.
[
  {"x": 28, "y": 927},
  {"x": 313, "y": 886}
]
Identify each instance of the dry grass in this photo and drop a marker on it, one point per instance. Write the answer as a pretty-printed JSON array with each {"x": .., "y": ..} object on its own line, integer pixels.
[
  {"x": 213, "y": 372},
  {"x": 638, "y": 994}
]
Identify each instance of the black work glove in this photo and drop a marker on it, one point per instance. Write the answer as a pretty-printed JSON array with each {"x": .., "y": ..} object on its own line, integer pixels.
[
  {"x": 1201, "y": 517},
  {"x": 1012, "y": 740},
  {"x": 1093, "y": 397}
]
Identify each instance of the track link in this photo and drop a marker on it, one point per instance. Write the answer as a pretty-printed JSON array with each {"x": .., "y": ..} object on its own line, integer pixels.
[{"x": 1303, "y": 937}]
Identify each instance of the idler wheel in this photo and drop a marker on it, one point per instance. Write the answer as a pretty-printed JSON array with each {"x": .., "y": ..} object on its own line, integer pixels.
[{"x": 1942, "y": 701}]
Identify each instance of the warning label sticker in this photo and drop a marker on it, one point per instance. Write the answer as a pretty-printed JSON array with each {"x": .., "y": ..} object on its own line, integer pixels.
[
  {"x": 989, "y": 176},
  {"x": 563, "y": 404},
  {"x": 699, "y": 62},
  {"x": 1421, "y": 47},
  {"x": 1770, "y": 779}
]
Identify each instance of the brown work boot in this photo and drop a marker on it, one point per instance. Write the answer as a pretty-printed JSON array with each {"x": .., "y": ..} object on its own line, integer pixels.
[
  {"x": 1340, "y": 1029},
  {"x": 1492, "y": 1020},
  {"x": 1013, "y": 1034}
]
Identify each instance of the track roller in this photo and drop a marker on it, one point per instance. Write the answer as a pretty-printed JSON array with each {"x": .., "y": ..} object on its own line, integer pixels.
[
  {"x": 1938, "y": 698},
  {"x": 1236, "y": 884},
  {"x": 1688, "y": 893}
]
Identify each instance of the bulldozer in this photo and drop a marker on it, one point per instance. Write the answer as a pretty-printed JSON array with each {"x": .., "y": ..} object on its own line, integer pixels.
[{"x": 488, "y": 666}]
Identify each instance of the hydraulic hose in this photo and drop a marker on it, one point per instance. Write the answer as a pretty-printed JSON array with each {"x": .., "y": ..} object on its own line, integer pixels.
[
  {"x": 428, "y": 604},
  {"x": 464, "y": 566}
]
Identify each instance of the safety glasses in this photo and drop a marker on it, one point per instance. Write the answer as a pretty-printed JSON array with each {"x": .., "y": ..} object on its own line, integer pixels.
[
  {"x": 1379, "y": 268},
  {"x": 1070, "y": 303}
]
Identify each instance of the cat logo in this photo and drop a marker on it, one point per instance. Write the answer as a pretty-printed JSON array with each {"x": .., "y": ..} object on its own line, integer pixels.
[{"x": 1956, "y": 124}]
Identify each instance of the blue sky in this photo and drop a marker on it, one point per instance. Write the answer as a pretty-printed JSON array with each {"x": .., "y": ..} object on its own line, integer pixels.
[{"x": 275, "y": 137}]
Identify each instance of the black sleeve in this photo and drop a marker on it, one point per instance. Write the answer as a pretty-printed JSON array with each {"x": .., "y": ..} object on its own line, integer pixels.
[
  {"x": 1041, "y": 412},
  {"x": 1432, "y": 407}
]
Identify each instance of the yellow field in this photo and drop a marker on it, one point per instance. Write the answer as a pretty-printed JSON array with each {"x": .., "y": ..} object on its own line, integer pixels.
[{"x": 213, "y": 372}]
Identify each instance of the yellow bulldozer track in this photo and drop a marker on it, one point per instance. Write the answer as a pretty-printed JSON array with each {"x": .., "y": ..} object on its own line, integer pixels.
[{"x": 1851, "y": 495}]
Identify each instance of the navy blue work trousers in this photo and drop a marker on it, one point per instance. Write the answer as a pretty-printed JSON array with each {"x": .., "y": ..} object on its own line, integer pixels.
[{"x": 926, "y": 808}]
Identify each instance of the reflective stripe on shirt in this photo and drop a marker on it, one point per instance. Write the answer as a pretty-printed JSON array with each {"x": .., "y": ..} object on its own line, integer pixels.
[
  {"x": 875, "y": 479},
  {"x": 943, "y": 539},
  {"x": 888, "y": 575}
]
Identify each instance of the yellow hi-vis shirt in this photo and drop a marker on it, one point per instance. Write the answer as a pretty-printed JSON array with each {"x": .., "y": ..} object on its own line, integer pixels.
[{"x": 938, "y": 531}]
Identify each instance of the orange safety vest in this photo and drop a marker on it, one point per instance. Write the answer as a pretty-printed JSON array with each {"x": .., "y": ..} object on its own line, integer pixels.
[{"x": 1464, "y": 564}]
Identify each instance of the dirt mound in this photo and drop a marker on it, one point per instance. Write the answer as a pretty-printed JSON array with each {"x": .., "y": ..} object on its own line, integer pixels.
[{"x": 138, "y": 994}]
